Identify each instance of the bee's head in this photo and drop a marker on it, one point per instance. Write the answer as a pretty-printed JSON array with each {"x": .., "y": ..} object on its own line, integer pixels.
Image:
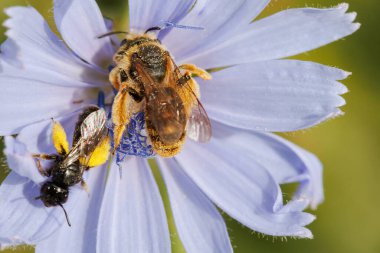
[
  {"x": 132, "y": 40},
  {"x": 53, "y": 194}
]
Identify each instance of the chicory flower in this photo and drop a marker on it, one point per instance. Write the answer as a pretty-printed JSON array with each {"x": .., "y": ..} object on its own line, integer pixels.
[{"x": 240, "y": 170}]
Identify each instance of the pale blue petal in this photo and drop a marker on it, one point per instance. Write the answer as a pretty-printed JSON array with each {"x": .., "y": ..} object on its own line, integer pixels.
[
  {"x": 242, "y": 188},
  {"x": 286, "y": 162},
  {"x": 132, "y": 216},
  {"x": 80, "y": 23},
  {"x": 312, "y": 187},
  {"x": 277, "y": 95},
  {"x": 38, "y": 137},
  {"x": 144, "y": 14},
  {"x": 34, "y": 139},
  {"x": 284, "y": 34},
  {"x": 81, "y": 236},
  {"x": 220, "y": 19},
  {"x": 27, "y": 101},
  {"x": 9, "y": 57},
  {"x": 36, "y": 49},
  {"x": 199, "y": 224}
]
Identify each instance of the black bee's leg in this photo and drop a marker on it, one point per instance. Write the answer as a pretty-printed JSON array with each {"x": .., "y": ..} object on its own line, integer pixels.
[
  {"x": 45, "y": 156},
  {"x": 43, "y": 172},
  {"x": 84, "y": 186},
  {"x": 40, "y": 169}
]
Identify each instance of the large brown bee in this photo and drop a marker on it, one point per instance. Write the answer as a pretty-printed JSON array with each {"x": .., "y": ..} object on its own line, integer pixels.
[{"x": 148, "y": 80}]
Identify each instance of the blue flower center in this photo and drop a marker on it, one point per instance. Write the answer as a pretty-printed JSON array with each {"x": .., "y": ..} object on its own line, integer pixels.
[{"x": 135, "y": 140}]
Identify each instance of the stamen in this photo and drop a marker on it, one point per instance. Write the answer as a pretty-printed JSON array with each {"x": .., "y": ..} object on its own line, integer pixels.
[
  {"x": 168, "y": 24},
  {"x": 101, "y": 99}
]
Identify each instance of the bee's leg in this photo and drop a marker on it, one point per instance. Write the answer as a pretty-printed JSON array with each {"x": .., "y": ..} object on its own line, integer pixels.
[
  {"x": 120, "y": 117},
  {"x": 118, "y": 77},
  {"x": 123, "y": 107},
  {"x": 43, "y": 172},
  {"x": 45, "y": 156},
  {"x": 192, "y": 69},
  {"x": 114, "y": 77},
  {"x": 59, "y": 138},
  {"x": 84, "y": 185}
]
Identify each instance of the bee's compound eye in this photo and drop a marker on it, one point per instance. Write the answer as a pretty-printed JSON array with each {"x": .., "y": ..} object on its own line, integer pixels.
[
  {"x": 123, "y": 42},
  {"x": 53, "y": 195}
]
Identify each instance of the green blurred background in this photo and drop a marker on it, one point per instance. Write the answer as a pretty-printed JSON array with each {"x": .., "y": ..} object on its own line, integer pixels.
[{"x": 348, "y": 220}]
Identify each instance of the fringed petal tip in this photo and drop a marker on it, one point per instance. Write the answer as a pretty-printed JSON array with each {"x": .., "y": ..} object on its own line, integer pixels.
[
  {"x": 275, "y": 96},
  {"x": 285, "y": 161},
  {"x": 279, "y": 36},
  {"x": 349, "y": 17},
  {"x": 243, "y": 188}
]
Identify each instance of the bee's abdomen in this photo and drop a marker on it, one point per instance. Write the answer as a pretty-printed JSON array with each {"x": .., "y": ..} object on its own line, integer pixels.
[{"x": 165, "y": 113}]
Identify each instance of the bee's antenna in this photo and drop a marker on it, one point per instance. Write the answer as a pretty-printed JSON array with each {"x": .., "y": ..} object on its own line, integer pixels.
[
  {"x": 111, "y": 33},
  {"x": 154, "y": 28},
  {"x": 67, "y": 217}
]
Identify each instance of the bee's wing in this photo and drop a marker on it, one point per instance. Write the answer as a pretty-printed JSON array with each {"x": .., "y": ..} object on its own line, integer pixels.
[
  {"x": 93, "y": 129},
  {"x": 82, "y": 116},
  {"x": 198, "y": 126},
  {"x": 166, "y": 99},
  {"x": 71, "y": 157}
]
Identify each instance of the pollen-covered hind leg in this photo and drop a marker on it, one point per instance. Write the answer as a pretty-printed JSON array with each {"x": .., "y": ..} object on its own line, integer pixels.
[
  {"x": 193, "y": 69},
  {"x": 188, "y": 83},
  {"x": 124, "y": 106},
  {"x": 59, "y": 138},
  {"x": 100, "y": 155}
]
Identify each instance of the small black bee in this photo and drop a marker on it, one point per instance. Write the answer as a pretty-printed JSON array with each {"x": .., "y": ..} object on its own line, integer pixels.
[{"x": 90, "y": 148}]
